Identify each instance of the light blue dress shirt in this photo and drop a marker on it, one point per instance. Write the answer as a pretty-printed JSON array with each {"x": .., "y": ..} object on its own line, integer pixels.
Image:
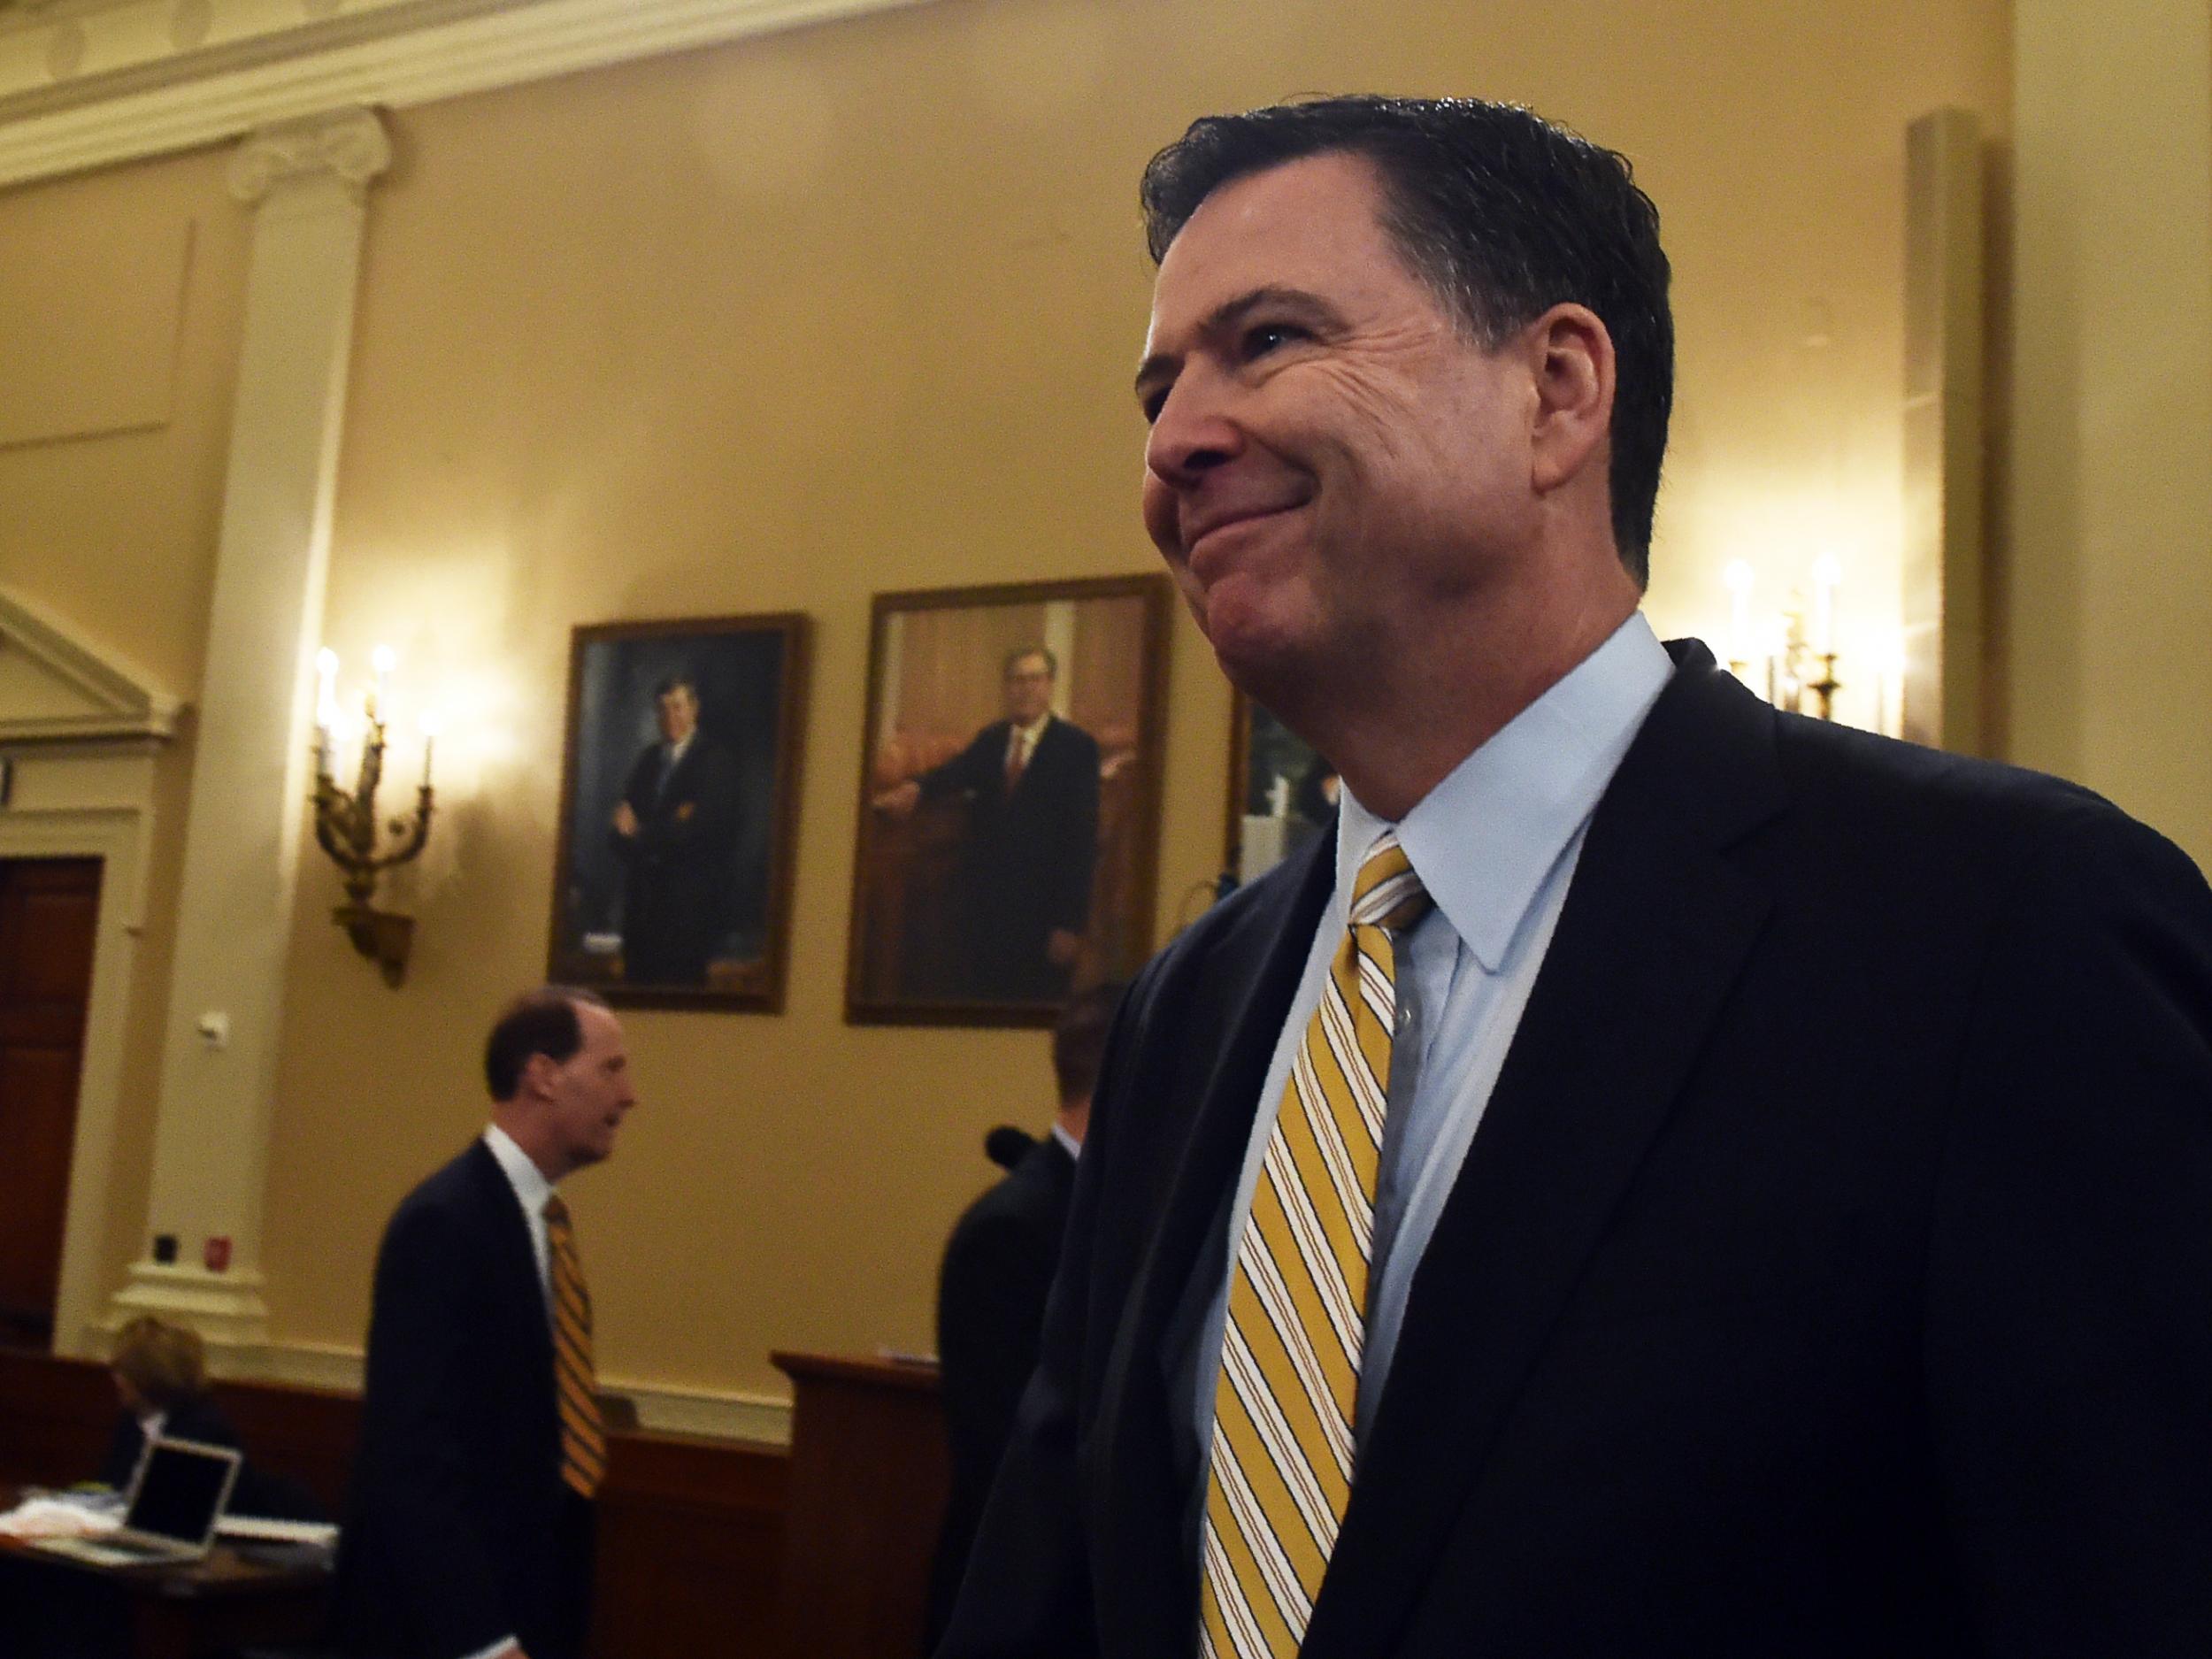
[{"x": 1495, "y": 843}]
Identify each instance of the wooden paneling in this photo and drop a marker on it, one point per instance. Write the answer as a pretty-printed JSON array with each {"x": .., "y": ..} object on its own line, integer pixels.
[
  {"x": 690, "y": 1531},
  {"x": 55, "y": 1418},
  {"x": 869, "y": 1475},
  {"x": 48, "y": 908}
]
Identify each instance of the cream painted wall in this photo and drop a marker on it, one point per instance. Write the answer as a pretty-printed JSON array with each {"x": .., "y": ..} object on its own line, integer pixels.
[
  {"x": 779, "y": 325},
  {"x": 116, "y": 531},
  {"x": 2109, "y": 584}
]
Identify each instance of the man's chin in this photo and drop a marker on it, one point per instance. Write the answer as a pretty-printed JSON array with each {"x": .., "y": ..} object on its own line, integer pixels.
[{"x": 1263, "y": 657}]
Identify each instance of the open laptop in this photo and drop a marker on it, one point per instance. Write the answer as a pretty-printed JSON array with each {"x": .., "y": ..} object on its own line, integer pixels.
[{"x": 176, "y": 1499}]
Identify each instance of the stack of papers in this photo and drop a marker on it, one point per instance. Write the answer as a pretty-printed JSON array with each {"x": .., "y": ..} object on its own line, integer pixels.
[{"x": 88, "y": 1516}]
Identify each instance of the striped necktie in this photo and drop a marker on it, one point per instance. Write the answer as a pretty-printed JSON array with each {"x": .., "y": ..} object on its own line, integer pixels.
[
  {"x": 1281, "y": 1472},
  {"x": 583, "y": 1437}
]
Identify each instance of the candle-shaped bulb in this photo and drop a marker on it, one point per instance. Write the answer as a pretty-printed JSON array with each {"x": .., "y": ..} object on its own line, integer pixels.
[
  {"x": 383, "y": 660},
  {"x": 326, "y": 688},
  {"x": 1827, "y": 574},
  {"x": 432, "y": 723}
]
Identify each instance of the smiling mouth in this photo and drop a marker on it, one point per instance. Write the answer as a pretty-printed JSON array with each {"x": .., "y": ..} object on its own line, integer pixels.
[{"x": 1211, "y": 531}]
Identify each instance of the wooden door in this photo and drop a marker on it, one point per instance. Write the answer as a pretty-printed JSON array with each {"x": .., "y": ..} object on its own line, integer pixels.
[{"x": 48, "y": 908}]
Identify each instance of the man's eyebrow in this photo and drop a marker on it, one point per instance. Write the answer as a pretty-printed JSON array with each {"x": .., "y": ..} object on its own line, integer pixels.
[{"x": 1226, "y": 315}]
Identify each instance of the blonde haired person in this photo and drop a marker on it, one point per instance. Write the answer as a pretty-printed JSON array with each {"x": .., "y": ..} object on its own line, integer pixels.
[{"x": 160, "y": 1373}]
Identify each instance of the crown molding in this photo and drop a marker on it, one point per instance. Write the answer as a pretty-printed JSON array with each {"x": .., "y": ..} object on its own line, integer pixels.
[
  {"x": 114, "y": 701},
  {"x": 130, "y": 90}
]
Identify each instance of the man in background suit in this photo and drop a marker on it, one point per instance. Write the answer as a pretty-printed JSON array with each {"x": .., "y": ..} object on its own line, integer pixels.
[
  {"x": 998, "y": 1265},
  {"x": 1665, "y": 1177},
  {"x": 675, "y": 829},
  {"x": 469, "y": 1531},
  {"x": 1023, "y": 886}
]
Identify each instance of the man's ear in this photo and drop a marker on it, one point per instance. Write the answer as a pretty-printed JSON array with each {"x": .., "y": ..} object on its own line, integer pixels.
[
  {"x": 536, "y": 1081},
  {"x": 1570, "y": 356}
]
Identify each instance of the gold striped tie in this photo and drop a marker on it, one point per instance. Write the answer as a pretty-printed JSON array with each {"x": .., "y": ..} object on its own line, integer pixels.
[
  {"x": 583, "y": 1437},
  {"x": 1281, "y": 1469}
]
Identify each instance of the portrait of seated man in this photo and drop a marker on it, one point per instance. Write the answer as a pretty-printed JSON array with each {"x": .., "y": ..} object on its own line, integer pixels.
[{"x": 1010, "y": 799}]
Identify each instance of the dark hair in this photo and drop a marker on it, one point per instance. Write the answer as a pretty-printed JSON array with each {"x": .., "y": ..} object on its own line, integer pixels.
[
  {"x": 1503, "y": 215},
  {"x": 677, "y": 682},
  {"x": 1052, "y": 662},
  {"x": 542, "y": 1021},
  {"x": 1079, "y": 1038}
]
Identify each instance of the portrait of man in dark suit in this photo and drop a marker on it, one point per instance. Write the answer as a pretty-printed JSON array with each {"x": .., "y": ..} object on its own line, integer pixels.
[
  {"x": 675, "y": 829},
  {"x": 1663, "y": 1176},
  {"x": 672, "y": 883},
  {"x": 1021, "y": 883},
  {"x": 469, "y": 1524}
]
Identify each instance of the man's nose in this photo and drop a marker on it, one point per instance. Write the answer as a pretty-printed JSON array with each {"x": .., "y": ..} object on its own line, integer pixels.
[{"x": 1193, "y": 432}]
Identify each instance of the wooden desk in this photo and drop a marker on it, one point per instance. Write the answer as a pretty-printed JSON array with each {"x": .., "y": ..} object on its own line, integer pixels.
[
  {"x": 54, "y": 1607},
  {"x": 869, "y": 1475}
]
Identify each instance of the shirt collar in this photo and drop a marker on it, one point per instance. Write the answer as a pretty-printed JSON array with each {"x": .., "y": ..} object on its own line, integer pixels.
[
  {"x": 1031, "y": 733},
  {"x": 528, "y": 1180},
  {"x": 1484, "y": 840},
  {"x": 1073, "y": 1147},
  {"x": 676, "y": 751}
]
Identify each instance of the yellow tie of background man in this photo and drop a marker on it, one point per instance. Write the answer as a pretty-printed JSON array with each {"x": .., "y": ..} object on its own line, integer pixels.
[
  {"x": 583, "y": 1439},
  {"x": 1281, "y": 1469}
]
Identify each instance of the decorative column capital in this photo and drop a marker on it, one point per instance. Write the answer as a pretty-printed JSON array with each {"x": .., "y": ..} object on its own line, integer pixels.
[{"x": 349, "y": 144}]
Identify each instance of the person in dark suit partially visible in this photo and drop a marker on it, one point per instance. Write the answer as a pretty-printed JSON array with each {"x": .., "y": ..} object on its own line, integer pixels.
[
  {"x": 470, "y": 1523},
  {"x": 1666, "y": 1178},
  {"x": 998, "y": 1265},
  {"x": 160, "y": 1373},
  {"x": 675, "y": 831},
  {"x": 1023, "y": 884}
]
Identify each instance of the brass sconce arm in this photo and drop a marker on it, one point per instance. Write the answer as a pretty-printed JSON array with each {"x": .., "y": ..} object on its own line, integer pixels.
[{"x": 346, "y": 828}]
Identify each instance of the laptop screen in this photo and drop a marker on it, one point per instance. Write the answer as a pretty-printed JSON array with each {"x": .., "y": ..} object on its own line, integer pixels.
[{"x": 181, "y": 1489}]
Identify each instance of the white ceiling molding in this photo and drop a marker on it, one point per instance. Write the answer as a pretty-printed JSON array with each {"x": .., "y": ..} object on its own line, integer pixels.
[
  {"x": 56, "y": 686},
  {"x": 99, "y": 81}
]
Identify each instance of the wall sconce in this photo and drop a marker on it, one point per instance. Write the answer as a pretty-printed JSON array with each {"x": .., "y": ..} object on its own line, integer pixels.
[
  {"x": 346, "y": 824},
  {"x": 1797, "y": 668}
]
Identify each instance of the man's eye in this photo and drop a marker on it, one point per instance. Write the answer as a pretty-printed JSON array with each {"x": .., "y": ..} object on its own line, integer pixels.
[
  {"x": 1152, "y": 402},
  {"x": 1265, "y": 337}
]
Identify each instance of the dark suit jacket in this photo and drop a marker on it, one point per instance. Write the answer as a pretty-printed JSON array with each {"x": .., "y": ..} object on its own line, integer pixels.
[
  {"x": 1831, "y": 1274},
  {"x": 676, "y": 893},
  {"x": 999, "y": 1263},
  {"x": 459, "y": 1529},
  {"x": 197, "y": 1419},
  {"x": 256, "y": 1492},
  {"x": 1026, "y": 864}
]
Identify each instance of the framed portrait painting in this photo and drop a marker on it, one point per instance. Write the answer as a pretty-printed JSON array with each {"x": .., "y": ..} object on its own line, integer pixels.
[
  {"x": 1009, "y": 799},
  {"x": 679, "y": 787},
  {"x": 1281, "y": 793}
]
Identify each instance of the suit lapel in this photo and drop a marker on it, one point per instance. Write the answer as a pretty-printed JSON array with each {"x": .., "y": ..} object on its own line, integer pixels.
[
  {"x": 1147, "y": 1458},
  {"x": 1654, "y": 933}
]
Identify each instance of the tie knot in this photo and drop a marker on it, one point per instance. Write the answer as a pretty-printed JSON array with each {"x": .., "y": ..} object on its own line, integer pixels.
[
  {"x": 556, "y": 1212},
  {"x": 1387, "y": 893}
]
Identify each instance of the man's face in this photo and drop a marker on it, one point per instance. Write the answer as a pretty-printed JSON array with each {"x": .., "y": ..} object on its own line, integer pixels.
[
  {"x": 1333, "y": 465},
  {"x": 679, "y": 713},
  {"x": 586, "y": 1096},
  {"x": 1028, "y": 688}
]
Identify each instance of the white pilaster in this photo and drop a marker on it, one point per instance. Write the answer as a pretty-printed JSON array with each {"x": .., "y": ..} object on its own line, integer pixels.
[{"x": 306, "y": 181}]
